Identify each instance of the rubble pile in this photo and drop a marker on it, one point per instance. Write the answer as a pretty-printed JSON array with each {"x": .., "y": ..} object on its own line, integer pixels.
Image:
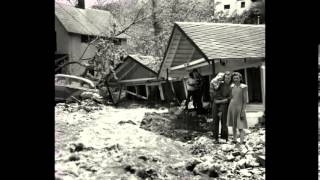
[
  {"x": 225, "y": 160},
  {"x": 231, "y": 161},
  {"x": 87, "y": 105},
  {"x": 115, "y": 143}
]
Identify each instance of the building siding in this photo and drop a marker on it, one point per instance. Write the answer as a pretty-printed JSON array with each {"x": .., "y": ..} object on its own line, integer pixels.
[
  {"x": 62, "y": 38},
  {"x": 235, "y": 6}
]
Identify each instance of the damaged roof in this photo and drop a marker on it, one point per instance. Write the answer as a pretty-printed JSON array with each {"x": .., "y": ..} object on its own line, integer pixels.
[
  {"x": 85, "y": 21},
  {"x": 150, "y": 62},
  {"x": 224, "y": 40}
]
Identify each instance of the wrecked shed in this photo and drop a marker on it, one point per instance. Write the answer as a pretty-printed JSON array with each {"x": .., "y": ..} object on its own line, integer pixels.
[{"x": 137, "y": 76}]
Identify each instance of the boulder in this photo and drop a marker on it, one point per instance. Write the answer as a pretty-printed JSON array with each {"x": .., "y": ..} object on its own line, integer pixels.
[
  {"x": 227, "y": 147},
  {"x": 245, "y": 172}
]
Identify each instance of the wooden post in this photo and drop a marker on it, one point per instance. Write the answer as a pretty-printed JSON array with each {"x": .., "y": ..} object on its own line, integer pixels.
[
  {"x": 246, "y": 81},
  {"x": 110, "y": 94},
  {"x": 136, "y": 89},
  {"x": 147, "y": 91},
  {"x": 185, "y": 87},
  {"x": 161, "y": 92},
  {"x": 263, "y": 83},
  {"x": 120, "y": 93},
  {"x": 213, "y": 67}
]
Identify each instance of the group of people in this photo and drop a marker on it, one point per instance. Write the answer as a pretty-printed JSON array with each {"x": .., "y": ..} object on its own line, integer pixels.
[{"x": 228, "y": 98}]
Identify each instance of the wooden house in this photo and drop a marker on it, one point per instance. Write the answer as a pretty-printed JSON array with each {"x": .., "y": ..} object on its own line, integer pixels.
[
  {"x": 216, "y": 47},
  {"x": 75, "y": 27}
]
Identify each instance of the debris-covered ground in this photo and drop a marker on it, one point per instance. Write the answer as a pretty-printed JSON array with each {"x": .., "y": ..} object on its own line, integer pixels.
[{"x": 94, "y": 141}]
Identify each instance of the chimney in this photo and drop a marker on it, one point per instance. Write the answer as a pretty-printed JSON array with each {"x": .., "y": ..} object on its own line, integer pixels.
[{"x": 80, "y": 4}]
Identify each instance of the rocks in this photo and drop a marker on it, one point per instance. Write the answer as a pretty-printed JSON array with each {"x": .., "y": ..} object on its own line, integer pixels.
[
  {"x": 227, "y": 147},
  {"x": 245, "y": 172},
  {"x": 241, "y": 164},
  {"x": 149, "y": 173},
  {"x": 130, "y": 169},
  {"x": 230, "y": 157},
  {"x": 192, "y": 164},
  {"x": 202, "y": 168},
  {"x": 143, "y": 158},
  {"x": 236, "y": 153},
  {"x": 213, "y": 173},
  {"x": 74, "y": 158},
  {"x": 76, "y": 147},
  {"x": 129, "y": 122}
]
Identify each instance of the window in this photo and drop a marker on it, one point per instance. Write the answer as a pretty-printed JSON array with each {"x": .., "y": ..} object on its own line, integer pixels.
[
  {"x": 227, "y": 6},
  {"x": 117, "y": 42},
  {"x": 86, "y": 38},
  {"x": 243, "y": 4}
]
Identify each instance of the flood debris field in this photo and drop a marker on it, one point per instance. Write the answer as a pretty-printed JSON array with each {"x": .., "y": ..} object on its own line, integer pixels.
[{"x": 94, "y": 141}]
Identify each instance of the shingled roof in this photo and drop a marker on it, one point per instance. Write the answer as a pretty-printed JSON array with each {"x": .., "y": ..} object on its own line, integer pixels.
[
  {"x": 85, "y": 21},
  {"x": 150, "y": 62},
  {"x": 224, "y": 40}
]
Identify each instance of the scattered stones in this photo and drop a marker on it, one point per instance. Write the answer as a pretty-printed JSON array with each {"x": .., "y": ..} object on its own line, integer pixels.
[
  {"x": 230, "y": 158},
  {"x": 129, "y": 122},
  {"x": 192, "y": 164},
  {"x": 237, "y": 153},
  {"x": 76, "y": 147},
  {"x": 213, "y": 173},
  {"x": 129, "y": 169},
  {"x": 227, "y": 147},
  {"x": 245, "y": 172},
  {"x": 143, "y": 158},
  {"x": 74, "y": 157},
  {"x": 241, "y": 164}
]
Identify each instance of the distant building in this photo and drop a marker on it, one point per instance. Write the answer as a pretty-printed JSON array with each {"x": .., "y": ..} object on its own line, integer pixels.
[
  {"x": 75, "y": 27},
  {"x": 232, "y": 7}
]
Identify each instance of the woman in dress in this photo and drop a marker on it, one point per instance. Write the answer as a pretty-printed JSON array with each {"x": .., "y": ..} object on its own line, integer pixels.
[{"x": 236, "y": 112}]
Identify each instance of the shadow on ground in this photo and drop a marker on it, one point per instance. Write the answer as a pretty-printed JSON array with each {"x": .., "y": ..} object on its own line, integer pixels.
[{"x": 183, "y": 127}]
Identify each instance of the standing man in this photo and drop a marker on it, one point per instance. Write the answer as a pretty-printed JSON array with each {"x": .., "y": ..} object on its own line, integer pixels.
[
  {"x": 220, "y": 92},
  {"x": 199, "y": 91},
  {"x": 192, "y": 88}
]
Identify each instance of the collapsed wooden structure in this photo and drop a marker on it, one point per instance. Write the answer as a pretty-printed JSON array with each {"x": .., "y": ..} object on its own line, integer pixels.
[{"x": 208, "y": 47}]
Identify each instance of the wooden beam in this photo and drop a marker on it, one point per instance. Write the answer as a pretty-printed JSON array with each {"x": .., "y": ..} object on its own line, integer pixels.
[
  {"x": 137, "y": 95},
  {"x": 161, "y": 92},
  {"x": 147, "y": 91},
  {"x": 181, "y": 66},
  {"x": 137, "y": 80}
]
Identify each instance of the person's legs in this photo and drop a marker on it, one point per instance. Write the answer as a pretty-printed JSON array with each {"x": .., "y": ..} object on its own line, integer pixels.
[
  {"x": 195, "y": 99},
  {"x": 234, "y": 133},
  {"x": 188, "y": 99},
  {"x": 224, "y": 127},
  {"x": 241, "y": 132},
  {"x": 215, "y": 117}
]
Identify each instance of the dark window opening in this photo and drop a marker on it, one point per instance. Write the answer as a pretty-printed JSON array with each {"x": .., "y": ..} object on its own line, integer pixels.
[
  {"x": 227, "y": 6},
  {"x": 142, "y": 90},
  {"x": 86, "y": 38},
  {"x": 243, "y": 4},
  {"x": 117, "y": 42},
  {"x": 254, "y": 85}
]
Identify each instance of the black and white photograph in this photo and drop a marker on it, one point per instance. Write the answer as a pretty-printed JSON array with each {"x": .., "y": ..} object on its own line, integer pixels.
[{"x": 160, "y": 89}]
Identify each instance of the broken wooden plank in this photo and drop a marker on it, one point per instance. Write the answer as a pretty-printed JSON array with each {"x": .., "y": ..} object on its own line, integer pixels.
[{"x": 137, "y": 95}]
